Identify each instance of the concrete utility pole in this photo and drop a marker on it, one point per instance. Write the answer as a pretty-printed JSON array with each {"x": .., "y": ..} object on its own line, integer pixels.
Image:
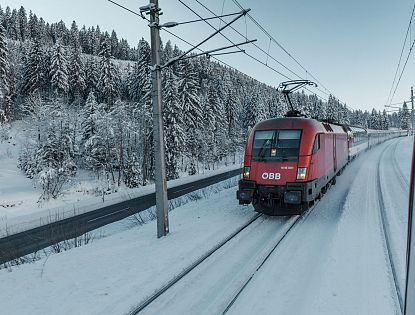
[
  {"x": 409, "y": 307},
  {"x": 412, "y": 112},
  {"x": 160, "y": 166}
]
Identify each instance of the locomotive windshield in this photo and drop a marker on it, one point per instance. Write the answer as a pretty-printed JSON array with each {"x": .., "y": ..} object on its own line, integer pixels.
[{"x": 276, "y": 145}]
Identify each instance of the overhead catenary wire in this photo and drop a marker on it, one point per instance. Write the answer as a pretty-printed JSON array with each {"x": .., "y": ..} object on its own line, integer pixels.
[
  {"x": 280, "y": 46},
  {"x": 403, "y": 70},
  {"x": 289, "y": 54},
  {"x": 213, "y": 57},
  {"x": 400, "y": 57},
  {"x": 245, "y": 36},
  {"x": 174, "y": 35},
  {"x": 253, "y": 57}
]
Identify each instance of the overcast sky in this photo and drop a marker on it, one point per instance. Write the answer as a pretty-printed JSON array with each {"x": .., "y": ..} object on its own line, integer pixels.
[{"x": 351, "y": 46}]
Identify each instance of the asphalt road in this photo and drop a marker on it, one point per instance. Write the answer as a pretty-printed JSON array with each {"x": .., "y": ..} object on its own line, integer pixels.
[{"x": 30, "y": 241}]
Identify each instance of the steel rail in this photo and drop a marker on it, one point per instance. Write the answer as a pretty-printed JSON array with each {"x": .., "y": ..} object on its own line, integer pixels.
[
  {"x": 402, "y": 180},
  {"x": 191, "y": 267},
  {"x": 385, "y": 230}
]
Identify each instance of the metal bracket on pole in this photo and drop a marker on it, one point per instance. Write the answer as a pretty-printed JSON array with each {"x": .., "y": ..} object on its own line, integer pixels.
[
  {"x": 182, "y": 56},
  {"x": 207, "y": 53}
]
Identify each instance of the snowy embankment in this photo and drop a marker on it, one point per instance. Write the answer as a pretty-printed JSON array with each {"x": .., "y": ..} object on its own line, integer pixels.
[
  {"x": 112, "y": 274},
  {"x": 333, "y": 262},
  {"x": 19, "y": 206}
]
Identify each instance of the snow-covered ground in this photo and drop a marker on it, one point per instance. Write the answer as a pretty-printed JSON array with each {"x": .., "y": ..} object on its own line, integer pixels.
[
  {"x": 333, "y": 262},
  {"x": 19, "y": 206}
]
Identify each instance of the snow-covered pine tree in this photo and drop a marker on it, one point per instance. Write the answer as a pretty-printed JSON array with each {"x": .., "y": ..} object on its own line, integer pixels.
[
  {"x": 89, "y": 114},
  {"x": 140, "y": 72},
  {"x": 109, "y": 76},
  {"x": 91, "y": 75},
  {"x": 5, "y": 112},
  {"x": 4, "y": 63},
  {"x": 332, "y": 110},
  {"x": 34, "y": 71},
  {"x": 405, "y": 117},
  {"x": 59, "y": 71},
  {"x": 132, "y": 171},
  {"x": 188, "y": 92},
  {"x": 233, "y": 128},
  {"x": 384, "y": 121},
  {"x": 22, "y": 18},
  {"x": 140, "y": 82},
  {"x": 14, "y": 26},
  {"x": 173, "y": 122},
  {"x": 308, "y": 106},
  {"x": 249, "y": 114},
  {"x": 374, "y": 120},
  {"x": 77, "y": 82}
]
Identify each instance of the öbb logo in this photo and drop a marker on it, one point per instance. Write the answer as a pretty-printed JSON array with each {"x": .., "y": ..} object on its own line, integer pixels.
[{"x": 271, "y": 176}]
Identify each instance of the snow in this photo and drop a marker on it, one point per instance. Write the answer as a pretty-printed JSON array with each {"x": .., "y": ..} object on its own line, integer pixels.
[
  {"x": 112, "y": 274},
  {"x": 19, "y": 206},
  {"x": 333, "y": 262}
]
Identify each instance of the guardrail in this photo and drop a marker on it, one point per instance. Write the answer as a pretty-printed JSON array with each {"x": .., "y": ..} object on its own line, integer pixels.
[{"x": 24, "y": 243}]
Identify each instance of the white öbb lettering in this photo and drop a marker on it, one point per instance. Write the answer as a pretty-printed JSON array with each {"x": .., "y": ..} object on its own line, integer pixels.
[{"x": 271, "y": 176}]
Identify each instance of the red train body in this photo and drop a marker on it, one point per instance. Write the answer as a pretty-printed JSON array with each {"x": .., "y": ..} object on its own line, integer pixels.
[{"x": 289, "y": 162}]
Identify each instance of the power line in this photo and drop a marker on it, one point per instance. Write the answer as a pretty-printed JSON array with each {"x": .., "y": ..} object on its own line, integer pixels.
[
  {"x": 228, "y": 39},
  {"x": 403, "y": 69},
  {"x": 216, "y": 59},
  {"x": 400, "y": 57},
  {"x": 287, "y": 52},
  {"x": 172, "y": 34},
  {"x": 244, "y": 36},
  {"x": 254, "y": 58},
  {"x": 280, "y": 46}
]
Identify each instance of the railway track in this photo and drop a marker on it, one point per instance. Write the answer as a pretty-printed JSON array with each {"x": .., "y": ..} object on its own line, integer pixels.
[
  {"x": 264, "y": 260},
  {"x": 287, "y": 227},
  {"x": 386, "y": 233},
  {"x": 403, "y": 181},
  {"x": 191, "y": 267}
]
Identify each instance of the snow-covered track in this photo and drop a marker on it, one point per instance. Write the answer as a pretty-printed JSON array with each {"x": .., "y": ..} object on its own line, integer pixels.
[
  {"x": 30, "y": 241},
  {"x": 191, "y": 267},
  {"x": 403, "y": 181},
  {"x": 386, "y": 232},
  {"x": 272, "y": 250}
]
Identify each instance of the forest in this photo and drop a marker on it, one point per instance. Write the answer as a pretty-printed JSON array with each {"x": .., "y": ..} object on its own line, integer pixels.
[{"x": 84, "y": 96}]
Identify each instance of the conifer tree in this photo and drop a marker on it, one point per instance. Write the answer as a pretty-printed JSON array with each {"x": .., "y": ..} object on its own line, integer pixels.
[
  {"x": 188, "y": 88},
  {"x": 91, "y": 75},
  {"x": 109, "y": 77},
  {"x": 22, "y": 19},
  {"x": 173, "y": 121},
  {"x": 88, "y": 125},
  {"x": 59, "y": 70},
  {"x": 34, "y": 71},
  {"x": 4, "y": 64},
  {"x": 77, "y": 84}
]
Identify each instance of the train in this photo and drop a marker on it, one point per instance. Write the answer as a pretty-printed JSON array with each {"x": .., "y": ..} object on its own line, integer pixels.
[{"x": 290, "y": 162}]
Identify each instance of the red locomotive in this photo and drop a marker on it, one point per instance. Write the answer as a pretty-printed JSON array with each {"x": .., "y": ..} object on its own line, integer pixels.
[{"x": 289, "y": 162}]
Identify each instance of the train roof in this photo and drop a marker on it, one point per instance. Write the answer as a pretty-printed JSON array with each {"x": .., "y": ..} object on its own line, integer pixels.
[{"x": 299, "y": 123}]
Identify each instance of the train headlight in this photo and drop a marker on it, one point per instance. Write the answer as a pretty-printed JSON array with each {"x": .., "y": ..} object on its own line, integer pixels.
[
  {"x": 301, "y": 172},
  {"x": 247, "y": 172}
]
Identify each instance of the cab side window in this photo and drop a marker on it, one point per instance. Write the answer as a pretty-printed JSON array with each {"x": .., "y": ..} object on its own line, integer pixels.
[{"x": 316, "y": 145}]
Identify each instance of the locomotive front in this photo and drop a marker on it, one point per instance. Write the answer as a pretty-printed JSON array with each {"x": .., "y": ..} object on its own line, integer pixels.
[{"x": 276, "y": 170}]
